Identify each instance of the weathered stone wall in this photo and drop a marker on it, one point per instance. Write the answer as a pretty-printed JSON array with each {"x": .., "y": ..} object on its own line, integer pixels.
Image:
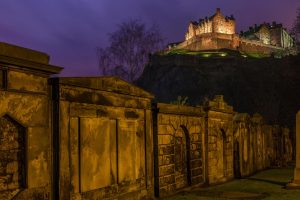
[
  {"x": 242, "y": 148},
  {"x": 25, "y": 124},
  {"x": 269, "y": 154},
  {"x": 212, "y": 144},
  {"x": 105, "y": 139},
  {"x": 251, "y": 46},
  {"x": 220, "y": 140},
  {"x": 259, "y": 146},
  {"x": 210, "y": 41},
  {"x": 281, "y": 145},
  {"x": 264, "y": 35},
  {"x": 101, "y": 138},
  {"x": 180, "y": 147}
]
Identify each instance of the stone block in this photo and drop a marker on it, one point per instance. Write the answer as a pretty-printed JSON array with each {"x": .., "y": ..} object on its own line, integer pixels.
[
  {"x": 74, "y": 154},
  {"x": 166, "y": 170},
  {"x": 3, "y": 185},
  {"x": 13, "y": 185},
  {"x": 38, "y": 157},
  {"x": 95, "y": 148},
  {"x": 195, "y": 155},
  {"x": 197, "y": 171},
  {"x": 195, "y": 137},
  {"x": 197, "y": 179},
  {"x": 162, "y": 129},
  {"x": 181, "y": 181},
  {"x": 212, "y": 162},
  {"x": 166, "y": 159},
  {"x": 196, "y": 163},
  {"x": 164, "y": 119},
  {"x": 128, "y": 145},
  {"x": 196, "y": 146},
  {"x": 175, "y": 120},
  {"x": 166, "y": 180},
  {"x": 165, "y": 139},
  {"x": 27, "y": 82},
  {"x": 167, "y": 190},
  {"x": 166, "y": 149},
  {"x": 12, "y": 167}
]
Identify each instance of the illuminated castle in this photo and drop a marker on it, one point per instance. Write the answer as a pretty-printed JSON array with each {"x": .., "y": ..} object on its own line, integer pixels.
[
  {"x": 215, "y": 24},
  {"x": 219, "y": 32}
]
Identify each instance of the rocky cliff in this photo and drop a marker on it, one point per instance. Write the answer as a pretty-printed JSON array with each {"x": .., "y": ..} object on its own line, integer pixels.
[{"x": 268, "y": 86}]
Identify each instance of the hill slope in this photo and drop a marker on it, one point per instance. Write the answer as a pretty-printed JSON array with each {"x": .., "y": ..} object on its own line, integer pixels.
[{"x": 268, "y": 86}]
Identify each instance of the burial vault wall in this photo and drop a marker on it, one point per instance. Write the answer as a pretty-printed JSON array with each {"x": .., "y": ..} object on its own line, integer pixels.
[{"x": 103, "y": 138}]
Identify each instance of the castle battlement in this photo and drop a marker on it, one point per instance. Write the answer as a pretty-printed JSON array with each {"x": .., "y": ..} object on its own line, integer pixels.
[{"x": 218, "y": 23}]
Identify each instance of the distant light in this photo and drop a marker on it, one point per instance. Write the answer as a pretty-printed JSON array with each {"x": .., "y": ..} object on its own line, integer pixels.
[
  {"x": 223, "y": 54},
  {"x": 244, "y": 56},
  {"x": 206, "y": 55}
]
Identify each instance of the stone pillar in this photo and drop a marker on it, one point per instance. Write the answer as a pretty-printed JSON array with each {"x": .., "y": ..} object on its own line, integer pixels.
[{"x": 296, "y": 181}]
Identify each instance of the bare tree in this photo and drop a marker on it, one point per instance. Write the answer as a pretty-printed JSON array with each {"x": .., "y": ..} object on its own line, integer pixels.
[
  {"x": 129, "y": 49},
  {"x": 296, "y": 27}
]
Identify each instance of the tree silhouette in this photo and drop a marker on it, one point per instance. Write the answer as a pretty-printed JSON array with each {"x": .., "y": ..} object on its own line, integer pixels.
[
  {"x": 129, "y": 49},
  {"x": 296, "y": 27}
]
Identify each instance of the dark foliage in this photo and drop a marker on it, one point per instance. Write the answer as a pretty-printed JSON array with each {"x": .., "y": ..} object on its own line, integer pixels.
[{"x": 296, "y": 26}]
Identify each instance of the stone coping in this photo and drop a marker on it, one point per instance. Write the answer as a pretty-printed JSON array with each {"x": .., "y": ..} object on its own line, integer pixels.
[
  {"x": 105, "y": 83},
  {"x": 26, "y": 58},
  {"x": 23, "y": 53},
  {"x": 180, "y": 109}
]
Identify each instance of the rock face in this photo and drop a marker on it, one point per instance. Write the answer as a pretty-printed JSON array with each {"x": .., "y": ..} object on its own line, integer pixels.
[{"x": 268, "y": 86}]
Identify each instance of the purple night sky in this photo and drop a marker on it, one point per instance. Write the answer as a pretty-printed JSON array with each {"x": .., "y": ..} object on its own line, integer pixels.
[{"x": 71, "y": 30}]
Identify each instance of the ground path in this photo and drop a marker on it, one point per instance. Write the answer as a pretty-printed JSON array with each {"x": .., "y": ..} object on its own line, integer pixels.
[{"x": 266, "y": 185}]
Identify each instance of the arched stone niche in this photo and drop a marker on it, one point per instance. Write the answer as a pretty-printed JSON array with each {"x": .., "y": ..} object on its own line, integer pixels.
[{"x": 12, "y": 157}]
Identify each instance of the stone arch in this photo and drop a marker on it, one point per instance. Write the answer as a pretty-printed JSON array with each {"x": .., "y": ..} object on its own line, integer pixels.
[
  {"x": 12, "y": 157},
  {"x": 182, "y": 158},
  {"x": 236, "y": 159},
  {"x": 223, "y": 135},
  {"x": 188, "y": 154}
]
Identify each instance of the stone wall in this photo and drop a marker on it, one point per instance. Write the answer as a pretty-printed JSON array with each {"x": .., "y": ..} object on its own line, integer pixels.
[
  {"x": 252, "y": 46},
  {"x": 211, "y": 144},
  {"x": 180, "y": 147},
  {"x": 258, "y": 146},
  {"x": 210, "y": 41},
  {"x": 264, "y": 35},
  {"x": 25, "y": 124},
  {"x": 104, "y": 137},
  {"x": 220, "y": 140}
]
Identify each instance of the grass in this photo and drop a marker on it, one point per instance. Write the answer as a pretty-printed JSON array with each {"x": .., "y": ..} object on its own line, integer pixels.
[
  {"x": 254, "y": 55},
  {"x": 204, "y": 54},
  {"x": 215, "y": 54},
  {"x": 267, "y": 185}
]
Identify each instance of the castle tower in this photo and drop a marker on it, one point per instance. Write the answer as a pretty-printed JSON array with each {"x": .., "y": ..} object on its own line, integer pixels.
[
  {"x": 222, "y": 24},
  {"x": 214, "y": 24}
]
